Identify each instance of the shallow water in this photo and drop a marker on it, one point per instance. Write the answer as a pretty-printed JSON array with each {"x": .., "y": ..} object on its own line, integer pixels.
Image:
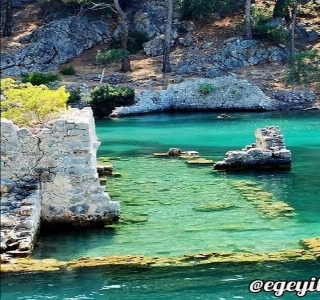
[
  {"x": 215, "y": 282},
  {"x": 160, "y": 197},
  {"x": 160, "y": 200}
]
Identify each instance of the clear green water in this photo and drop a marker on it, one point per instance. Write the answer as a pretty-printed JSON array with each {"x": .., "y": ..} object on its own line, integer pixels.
[
  {"x": 158, "y": 199},
  {"x": 164, "y": 193}
]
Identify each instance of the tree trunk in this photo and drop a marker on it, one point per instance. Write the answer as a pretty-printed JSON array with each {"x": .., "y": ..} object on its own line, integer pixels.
[
  {"x": 125, "y": 62},
  {"x": 7, "y": 27},
  {"x": 248, "y": 31},
  {"x": 293, "y": 25},
  {"x": 166, "y": 65}
]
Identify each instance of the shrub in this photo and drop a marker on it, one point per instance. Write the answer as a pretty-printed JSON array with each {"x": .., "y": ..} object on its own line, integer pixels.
[
  {"x": 68, "y": 70},
  {"x": 304, "y": 68},
  {"x": 27, "y": 104},
  {"x": 204, "y": 9},
  {"x": 136, "y": 39},
  {"x": 74, "y": 97},
  {"x": 260, "y": 29},
  {"x": 205, "y": 89},
  {"x": 110, "y": 56},
  {"x": 105, "y": 98},
  {"x": 37, "y": 78}
]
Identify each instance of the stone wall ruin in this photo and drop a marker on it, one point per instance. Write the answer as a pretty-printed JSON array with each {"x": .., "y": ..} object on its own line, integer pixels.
[{"x": 59, "y": 158}]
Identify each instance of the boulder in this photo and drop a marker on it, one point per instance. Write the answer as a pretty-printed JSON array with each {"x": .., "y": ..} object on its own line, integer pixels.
[
  {"x": 154, "y": 47},
  {"x": 174, "y": 152},
  {"x": 55, "y": 43}
]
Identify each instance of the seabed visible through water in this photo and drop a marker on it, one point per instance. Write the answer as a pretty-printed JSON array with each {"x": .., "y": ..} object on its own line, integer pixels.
[{"x": 184, "y": 218}]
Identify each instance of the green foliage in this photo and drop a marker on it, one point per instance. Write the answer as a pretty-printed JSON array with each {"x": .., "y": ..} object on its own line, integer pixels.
[
  {"x": 260, "y": 17},
  {"x": 68, "y": 70},
  {"x": 110, "y": 56},
  {"x": 74, "y": 97},
  {"x": 38, "y": 78},
  {"x": 204, "y": 9},
  {"x": 105, "y": 98},
  {"x": 304, "y": 68},
  {"x": 205, "y": 89},
  {"x": 28, "y": 105},
  {"x": 135, "y": 40}
]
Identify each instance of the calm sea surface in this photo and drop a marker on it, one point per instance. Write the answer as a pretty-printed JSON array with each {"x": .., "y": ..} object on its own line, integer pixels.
[{"x": 160, "y": 200}]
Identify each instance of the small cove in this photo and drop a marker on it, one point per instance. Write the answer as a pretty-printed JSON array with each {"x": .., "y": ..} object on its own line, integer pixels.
[
  {"x": 159, "y": 197},
  {"x": 160, "y": 200}
]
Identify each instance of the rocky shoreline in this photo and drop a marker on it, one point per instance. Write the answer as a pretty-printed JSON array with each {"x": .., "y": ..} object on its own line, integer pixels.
[{"x": 226, "y": 93}]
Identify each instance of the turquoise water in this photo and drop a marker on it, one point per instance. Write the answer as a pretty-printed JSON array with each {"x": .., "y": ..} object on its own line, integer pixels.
[
  {"x": 220, "y": 282},
  {"x": 160, "y": 200},
  {"x": 160, "y": 197}
]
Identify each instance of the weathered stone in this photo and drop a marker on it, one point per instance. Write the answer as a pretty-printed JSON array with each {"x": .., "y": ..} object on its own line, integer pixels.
[
  {"x": 54, "y": 44},
  {"x": 268, "y": 151},
  {"x": 6, "y": 185},
  {"x": 187, "y": 40},
  {"x": 227, "y": 93},
  {"x": 9, "y": 221},
  {"x": 154, "y": 47},
  {"x": 174, "y": 152}
]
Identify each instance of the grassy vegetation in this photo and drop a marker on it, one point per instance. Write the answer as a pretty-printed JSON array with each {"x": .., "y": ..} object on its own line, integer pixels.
[{"x": 38, "y": 78}]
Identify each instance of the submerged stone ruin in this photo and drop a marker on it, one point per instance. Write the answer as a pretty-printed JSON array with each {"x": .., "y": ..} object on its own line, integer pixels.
[
  {"x": 49, "y": 174},
  {"x": 269, "y": 151}
]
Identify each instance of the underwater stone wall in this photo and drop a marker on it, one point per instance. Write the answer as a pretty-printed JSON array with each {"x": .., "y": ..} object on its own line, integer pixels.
[{"x": 61, "y": 154}]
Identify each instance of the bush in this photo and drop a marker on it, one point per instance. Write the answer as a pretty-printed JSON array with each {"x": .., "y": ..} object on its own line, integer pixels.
[
  {"x": 205, "y": 89},
  {"x": 204, "y": 9},
  {"x": 111, "y": 56},
  {"x": 74, "y": 97},
  {"x": 260, "y": 17},
  {"x": 304, "y": 68},
  {"x": 105, "y": 98},
  {"x": 136, "y": 39},
  {"x": 68, "y": 70},
  {"x": 27, "y": 104},
  {"x": 37, "y": 78}
]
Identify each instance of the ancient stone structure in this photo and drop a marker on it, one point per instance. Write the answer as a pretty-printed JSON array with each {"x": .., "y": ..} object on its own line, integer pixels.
[
  {"x": 269, "y": 151},
  {"x": 59, "y": 157},
  {"x": 20, "y": 217}
]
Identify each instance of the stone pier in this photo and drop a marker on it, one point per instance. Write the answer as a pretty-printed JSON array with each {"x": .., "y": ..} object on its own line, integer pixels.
[{"x": 269, "y": 151}]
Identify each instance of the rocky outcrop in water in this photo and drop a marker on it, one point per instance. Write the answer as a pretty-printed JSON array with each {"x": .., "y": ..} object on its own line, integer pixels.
[
  {"x": 269, "y": 151},
  {"x": 55, "y": 43},
  {"x": 223, "y": 93},
  {"x": 226, "y": 93}
]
